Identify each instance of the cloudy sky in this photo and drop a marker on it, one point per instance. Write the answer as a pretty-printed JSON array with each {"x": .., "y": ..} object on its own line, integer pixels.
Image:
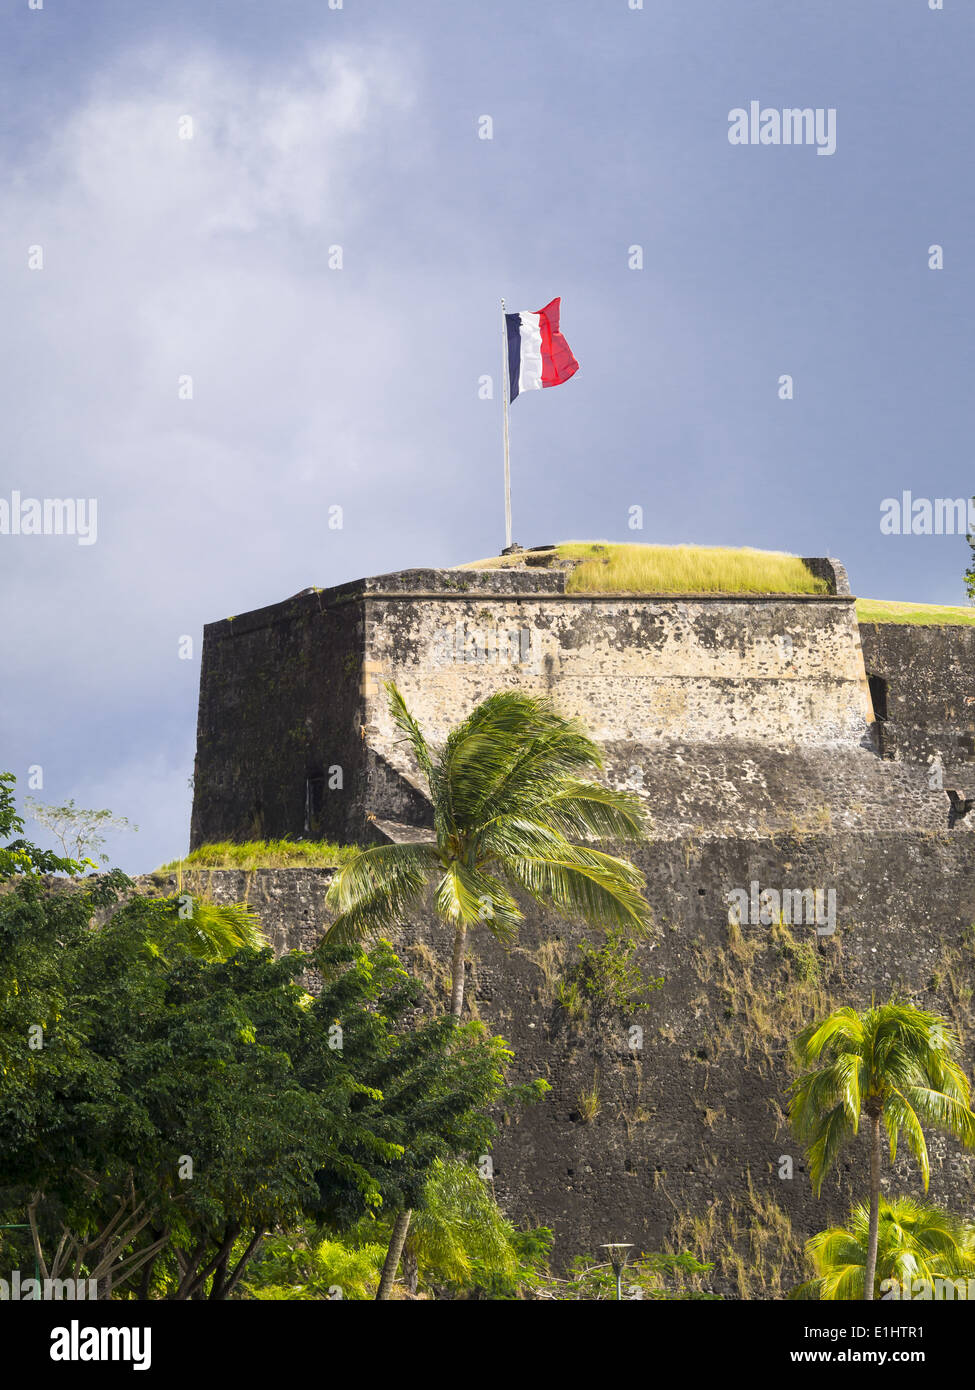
[{"x": 177, "y": 179}]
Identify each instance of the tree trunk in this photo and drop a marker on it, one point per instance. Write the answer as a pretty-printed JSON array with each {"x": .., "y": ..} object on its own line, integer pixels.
[
  {"x": 457, "y": 976},
  {"x": 870, "y": 1273},
  {"x": 411, "y": 1269},
  {"x": 396, "y": 1242}
]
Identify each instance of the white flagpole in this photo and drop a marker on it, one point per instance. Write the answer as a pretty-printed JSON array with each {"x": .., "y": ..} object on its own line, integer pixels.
[{"x": 504, "y": 396}]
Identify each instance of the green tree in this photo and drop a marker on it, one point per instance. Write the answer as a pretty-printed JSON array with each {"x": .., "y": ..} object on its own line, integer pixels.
[
  {"x": 508, "y": 806},
  {"x": 166, "y": 1104},
  {"x": 19, "y": 856},
  {"x": 78, "y": 831},
  {"x": 458, "y": 1228},
  {"x": 915, "y": 1241},
  {"x": 312, "y": 1266},
  {"x": 893, "y": 1063}
]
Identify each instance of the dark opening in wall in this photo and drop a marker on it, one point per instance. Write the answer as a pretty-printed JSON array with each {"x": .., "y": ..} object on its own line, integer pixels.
[
  {"x": 878, "y": 694},
  {"x": 314, "y": 802}
]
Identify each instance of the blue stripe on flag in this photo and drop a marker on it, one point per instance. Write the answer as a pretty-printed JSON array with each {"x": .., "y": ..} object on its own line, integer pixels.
[{"x": 513, "y": 322}]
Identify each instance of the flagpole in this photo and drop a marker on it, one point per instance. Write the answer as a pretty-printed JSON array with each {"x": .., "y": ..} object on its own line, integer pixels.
[{"x": 504, "y": 397}]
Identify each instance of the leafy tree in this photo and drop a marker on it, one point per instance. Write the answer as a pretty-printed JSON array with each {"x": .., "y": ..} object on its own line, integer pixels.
[
  {"x": 915, "y": 1241},
  {"x": 19, "y": 856},
  {"x": 459, "y": 1228},
  {"x": 315, "y": 1266},
  {"x": 79, "y": 832},
  {"x": 893, "y": 1063},
  {"x": 508, "y": 806},
  {"x": 181, "y": 1104}
]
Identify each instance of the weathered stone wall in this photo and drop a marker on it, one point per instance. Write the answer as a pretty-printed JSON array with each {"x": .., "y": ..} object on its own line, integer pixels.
[
  {"x": 930, "y": 695},
  {"x": 746, "y": 724},
  {"x": 687, "y": 1143},
  {"x": 708, "y": 671},
  {"x": 280, "y": 705},
  {"x": 295, "y": 736}
]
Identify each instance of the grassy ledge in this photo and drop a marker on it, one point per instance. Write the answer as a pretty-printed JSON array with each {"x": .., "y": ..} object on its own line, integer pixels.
[
  {"x": 263, "y": 854},
  {"x": 878, "y": 610},
  {"x": 692, "y": 569},
  {"x": 599, "y": 567}
]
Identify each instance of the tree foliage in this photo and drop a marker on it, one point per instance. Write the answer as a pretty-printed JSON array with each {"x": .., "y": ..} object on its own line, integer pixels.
[
  {"x": 79, "y": 832},
  {"x": 20, "y": 856},
  {"x": 511, "y": 813},
  {"x": 916, "y": 1241},
  {"x": 158, "y": 1088}
]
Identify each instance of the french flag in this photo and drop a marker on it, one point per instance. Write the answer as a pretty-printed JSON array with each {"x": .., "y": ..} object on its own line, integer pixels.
[{"x": 538, "y": 355}]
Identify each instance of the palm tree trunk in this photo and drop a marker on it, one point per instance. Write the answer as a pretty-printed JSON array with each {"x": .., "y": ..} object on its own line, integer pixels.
[
  {"x": 396, "y": 1242},
  {"x": 871, "y": 1269},
  {"x": 457, "y": 974}
]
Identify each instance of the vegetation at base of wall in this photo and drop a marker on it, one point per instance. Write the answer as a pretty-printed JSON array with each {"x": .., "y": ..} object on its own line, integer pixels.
[
  {"x": 460, "y": 1245},
  {"x": 747, "y": 1239},
  {"x": 187, "y": 1092},
  {"x": 655, "y": 1277},
  {"x": 877, "y": 610},
  {"x": 263, "y": 854},
  {"x": 310, "y": 1266},
  {"x": 607, "y": 567}
]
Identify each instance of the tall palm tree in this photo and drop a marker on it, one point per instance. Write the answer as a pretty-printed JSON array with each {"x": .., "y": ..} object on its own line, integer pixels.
[
  {"x": 915, "y": 1241},
  {"x": 897, "y": 1065},
  {"x": 509, "y": 803}
]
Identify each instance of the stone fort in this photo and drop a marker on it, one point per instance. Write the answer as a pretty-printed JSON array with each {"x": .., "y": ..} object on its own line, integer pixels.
[{"x": 777, "y": 744}]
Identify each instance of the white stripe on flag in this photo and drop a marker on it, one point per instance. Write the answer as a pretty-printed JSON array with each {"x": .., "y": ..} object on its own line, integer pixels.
[{"x": 530, "y": 375}]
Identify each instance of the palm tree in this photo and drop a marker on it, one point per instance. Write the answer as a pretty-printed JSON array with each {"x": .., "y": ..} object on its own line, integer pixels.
[
  {"x": 915, "y": 1241},
  {"x": 508, "y": 802},
  {"x": 893, "y": 1063},
  {"x": 460, "y": 1225}
]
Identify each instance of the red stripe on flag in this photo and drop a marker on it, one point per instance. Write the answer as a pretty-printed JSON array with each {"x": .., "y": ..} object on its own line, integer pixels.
[{"x": 558, "y": 364}]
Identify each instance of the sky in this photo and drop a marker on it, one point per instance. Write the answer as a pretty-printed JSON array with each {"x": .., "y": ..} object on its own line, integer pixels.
[{"x": 251, "y": 263}]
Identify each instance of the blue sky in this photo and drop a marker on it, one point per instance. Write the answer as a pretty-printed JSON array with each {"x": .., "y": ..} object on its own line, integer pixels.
[{"x": 313, "y": 387}]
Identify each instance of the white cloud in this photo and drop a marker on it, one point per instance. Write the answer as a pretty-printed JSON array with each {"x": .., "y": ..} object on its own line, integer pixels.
[{"x": 204, "y": 257}]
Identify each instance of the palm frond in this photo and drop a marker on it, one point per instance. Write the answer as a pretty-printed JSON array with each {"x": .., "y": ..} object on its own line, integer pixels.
[
  {"x": 603, "y": 890},
  {"x": 842, "y": 1031},
  {"x": 834, "y": 1131},
  {"x": 469, "y": 896},
  {"x": 372, "y": 891},
  {"x": 899, "y": 1115},
  {"x": 944, "y": 1112},
  {"x": 411, "y": 730},
  {"x": 587, "y": 808}
]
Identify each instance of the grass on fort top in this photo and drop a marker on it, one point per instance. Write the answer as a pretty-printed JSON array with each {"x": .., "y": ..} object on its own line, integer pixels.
[
  {"x": 263, "y": 854},
  {"x": 878, "y": 610},
  {"x": 605, "y": 567},
  {"x": 608, "y": 567}
]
